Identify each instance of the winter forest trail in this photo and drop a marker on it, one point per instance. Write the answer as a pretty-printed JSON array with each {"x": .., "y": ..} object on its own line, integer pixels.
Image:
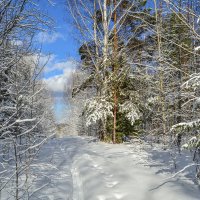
[{"x": 82, "y": 169}]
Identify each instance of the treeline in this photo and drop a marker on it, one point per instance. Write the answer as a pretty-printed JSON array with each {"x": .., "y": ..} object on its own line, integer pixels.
[
  {"x": 25, "y": 117},
  {"x": 139, "y": 70}
]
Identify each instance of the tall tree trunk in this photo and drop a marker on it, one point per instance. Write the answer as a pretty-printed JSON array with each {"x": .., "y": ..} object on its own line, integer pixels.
[
  {"x": 115, "y": 98},
  {"x": 161, "y": 76},
  {"x": 105, "y": 55},
  {"x": 105, "y": 29},
  {"x": 16, "y": 170}
]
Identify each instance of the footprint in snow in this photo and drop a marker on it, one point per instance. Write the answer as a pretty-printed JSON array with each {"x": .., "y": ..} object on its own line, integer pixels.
[
  {"x": 64, "y": 175},
  {"x": 112, "y": 184},
  {"x": 101, "y": 197},
  {"x": 119, "y": 196},
  {"x": 87, "y": 156},
  {"x": 108, "y": 177},
  {"x": 97, "y": 167}
]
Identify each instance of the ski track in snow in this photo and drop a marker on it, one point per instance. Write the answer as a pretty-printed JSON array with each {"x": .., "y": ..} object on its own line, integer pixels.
[
  {"x": 77, "y": 185},
  {"x": 86, "y": 170}
]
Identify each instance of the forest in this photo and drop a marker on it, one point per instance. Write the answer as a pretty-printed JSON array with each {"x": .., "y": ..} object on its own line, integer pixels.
[
  {"x": 139, "y": 70},
  {"x": 137, "y": 78}
]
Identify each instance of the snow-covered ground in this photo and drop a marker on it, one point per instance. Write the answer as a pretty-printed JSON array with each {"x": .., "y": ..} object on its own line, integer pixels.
[{"x": 78, "y": 168}]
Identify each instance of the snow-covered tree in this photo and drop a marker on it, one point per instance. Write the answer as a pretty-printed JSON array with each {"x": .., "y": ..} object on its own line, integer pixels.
[
  {"x": 106, "y": 56},
  {"x": 22, "y": 112}
]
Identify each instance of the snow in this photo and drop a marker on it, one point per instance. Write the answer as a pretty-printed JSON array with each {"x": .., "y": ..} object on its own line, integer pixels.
[
  {"x": 131, "y": 110},
  {"x": 97, "y": 109},
  {"x": 185, "y": 125},
  {"x": 197, "y": 48},
  {"x": 25, "y": 120},
  {"x": 198, "y": 20},
  {"x": 77, "y": 168}
]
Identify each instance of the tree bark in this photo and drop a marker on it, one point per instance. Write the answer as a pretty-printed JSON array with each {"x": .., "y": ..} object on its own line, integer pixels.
[{"x": 115, "y": 97}]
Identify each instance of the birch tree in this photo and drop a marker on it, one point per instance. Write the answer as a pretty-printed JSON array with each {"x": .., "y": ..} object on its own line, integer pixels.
[{"x": 104, "y": 54}]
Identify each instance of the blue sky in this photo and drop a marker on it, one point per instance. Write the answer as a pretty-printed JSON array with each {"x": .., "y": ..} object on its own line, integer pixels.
[
  {"x": 60, "y": 47},
  {"x": 61, "y": 43}
]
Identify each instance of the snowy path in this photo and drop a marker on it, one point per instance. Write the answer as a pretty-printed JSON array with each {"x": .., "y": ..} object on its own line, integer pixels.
[{"x": 85, "y": 170}]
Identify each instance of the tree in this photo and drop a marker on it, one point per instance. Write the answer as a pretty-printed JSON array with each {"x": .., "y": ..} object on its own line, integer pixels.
[
  {"x": 22, "y": 112},
  {"x": 104, "y": 52}
]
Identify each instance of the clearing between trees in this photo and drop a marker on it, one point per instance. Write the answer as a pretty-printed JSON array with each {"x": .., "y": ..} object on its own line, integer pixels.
[{"x": 81, "y": 168}]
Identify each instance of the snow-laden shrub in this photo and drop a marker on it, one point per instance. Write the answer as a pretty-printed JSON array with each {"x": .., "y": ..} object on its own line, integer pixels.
[
  {"x": 153, "y": 100},
  {"x": 131, "y": 111},
  {"x": 193, "y": 82},
  {"x": 192, "y": 144},
  {"x": 191, "y": 128},
  {"x": 185, "y": 126},
  {"x": 97, "y": 109}
]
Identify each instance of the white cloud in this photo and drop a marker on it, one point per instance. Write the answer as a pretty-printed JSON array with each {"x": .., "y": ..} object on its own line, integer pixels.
[
  {"x": 58, "y": 83},
  {"x": 62, "y": 65},
  {"x": 44, "y": 37}
]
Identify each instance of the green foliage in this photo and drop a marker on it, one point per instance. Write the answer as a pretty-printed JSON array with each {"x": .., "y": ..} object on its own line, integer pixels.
[
  {"x": 124, "y": 127},
  {"x": 119, "y": 136}
]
